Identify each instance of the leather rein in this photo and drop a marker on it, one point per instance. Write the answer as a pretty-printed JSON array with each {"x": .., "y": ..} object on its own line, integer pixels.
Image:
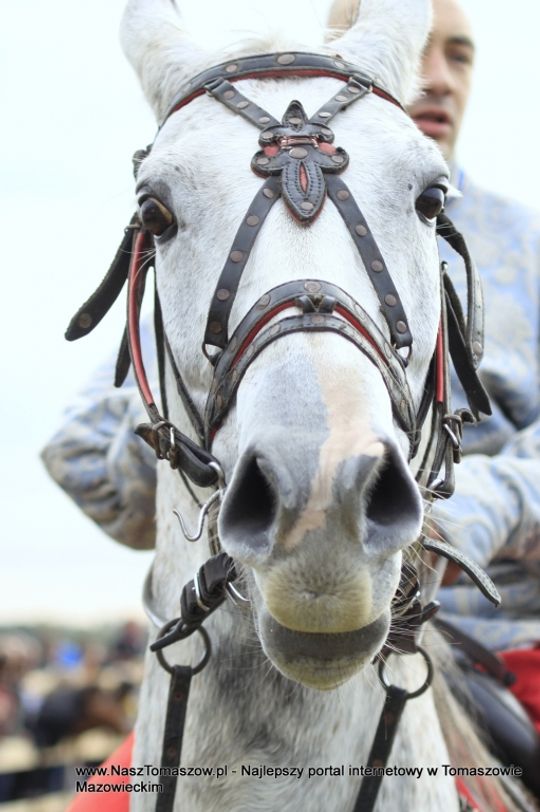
[{"x": 301, "y": 165}]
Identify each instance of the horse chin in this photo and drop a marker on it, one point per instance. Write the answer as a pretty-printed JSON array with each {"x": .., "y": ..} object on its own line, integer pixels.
[{"x": 321, "y": 660}]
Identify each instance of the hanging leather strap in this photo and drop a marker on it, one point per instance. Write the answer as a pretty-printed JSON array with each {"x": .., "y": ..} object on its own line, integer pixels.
[
  {"x": 100, "y": 302},
  {"x": 174, "y": 733},
  {"x": 394, "y": 706}
]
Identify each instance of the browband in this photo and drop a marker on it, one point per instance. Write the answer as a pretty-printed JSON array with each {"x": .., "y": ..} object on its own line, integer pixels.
[{"x": 274, "y": 66}]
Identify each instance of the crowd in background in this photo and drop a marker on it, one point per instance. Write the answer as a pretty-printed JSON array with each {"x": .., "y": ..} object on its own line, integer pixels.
[{"x": 56, "y": 685}]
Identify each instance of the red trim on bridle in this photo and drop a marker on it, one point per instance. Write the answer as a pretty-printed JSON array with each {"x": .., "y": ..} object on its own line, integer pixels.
[
  {"x": 361, "y": 329},
  {"x": 343, "y": 312},
  {"x": 277, "y": 74},
  {"x": 136, "y": 274},
  {"x": 258, "y": 327},
  {"x": 439, "y": 366}
]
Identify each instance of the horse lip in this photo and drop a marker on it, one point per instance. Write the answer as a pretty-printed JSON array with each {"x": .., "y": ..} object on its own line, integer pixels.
[{"x": 321, "y": 649}]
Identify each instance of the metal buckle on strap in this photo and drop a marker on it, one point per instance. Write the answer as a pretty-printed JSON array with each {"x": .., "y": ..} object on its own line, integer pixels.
[
  {"x": 293, "y": 140},
  {"x": 362, "y": 81},
  {"x": 453, "y": 425}
]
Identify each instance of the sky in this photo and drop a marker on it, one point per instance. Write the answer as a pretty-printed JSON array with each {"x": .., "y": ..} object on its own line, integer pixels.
[{"x": 73, "y": 114}]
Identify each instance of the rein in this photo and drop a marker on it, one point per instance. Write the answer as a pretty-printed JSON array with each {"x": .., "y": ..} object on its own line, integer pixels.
[{"x": 301, "y": 165}]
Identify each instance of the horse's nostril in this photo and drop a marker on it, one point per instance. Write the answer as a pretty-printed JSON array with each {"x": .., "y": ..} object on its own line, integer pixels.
[
  {"x": 394, "y": 501},
  {"x": 250, "y": 507}
]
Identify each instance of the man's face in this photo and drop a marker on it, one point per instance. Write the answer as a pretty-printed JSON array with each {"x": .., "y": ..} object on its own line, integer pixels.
[{"x": 446, "y": 70}]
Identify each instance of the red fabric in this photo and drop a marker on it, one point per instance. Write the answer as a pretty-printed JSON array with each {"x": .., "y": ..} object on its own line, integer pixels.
[
  {"x": 463, "y": 792},
  {"x": 108, "y": 801},
  {"x": 525, "y": 664}
]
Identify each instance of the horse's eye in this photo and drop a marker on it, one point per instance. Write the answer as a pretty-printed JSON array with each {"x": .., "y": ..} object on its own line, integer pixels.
[
  {"x": 431, "y": 202},
  {"x": 155, "y": 217}
]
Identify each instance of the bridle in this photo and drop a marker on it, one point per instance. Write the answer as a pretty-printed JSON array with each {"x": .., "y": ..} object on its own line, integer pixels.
[{"x": 300, "y": 164}]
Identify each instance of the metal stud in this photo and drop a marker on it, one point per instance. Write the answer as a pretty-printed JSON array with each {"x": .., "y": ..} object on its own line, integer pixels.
[
  {"x": 237, "y": 256},
  {"x": 215, "y": 327},
  {"x": 84, "y": 321},
  {"x": 341, "y": 98},
  {"x": 343, "y": 194},
  {"x": 353, "y": 89},
  {"x": 264, "y": 300},
  {"x": 306, "y": 205},
  {"x": 295, "y": 120},
  {"x": 285, "y": 59},
  {"x": 325, "y": 114},
  {"x": 377, "y": 266},
  {"x": 223, "y": 294},
  {"x": 253, "y": 220},
  {"x": 263, "y": 160},
  {"x": 390, "y": 300},
  {"x": 338, "y": 159},
  {"x": 264, "y": 119},
  {"x": 401, "y": 327},
  {"x": 477, "y": 347},
  {"x": 339, "y": 64},
  {"x": 229, "y": 94},
  {"x": 269, "y": 193},
  {"x": 312, "y": 287},
  {"x": 242, "y": 105},
  {"x": 361, "y": 230},
  {"x": 232, "y": 68},
  {"x": 298, "y": 152}
]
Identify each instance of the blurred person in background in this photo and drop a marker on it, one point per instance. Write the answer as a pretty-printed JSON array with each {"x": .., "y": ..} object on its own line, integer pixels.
[{"x": 494, "y": 514}]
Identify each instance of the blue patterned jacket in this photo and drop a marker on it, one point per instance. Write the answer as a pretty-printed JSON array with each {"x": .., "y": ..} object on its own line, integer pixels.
[{"x": 495, "y": 513}]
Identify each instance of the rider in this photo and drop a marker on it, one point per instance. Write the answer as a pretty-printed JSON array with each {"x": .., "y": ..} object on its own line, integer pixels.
[{"x": 494, "y": 516}]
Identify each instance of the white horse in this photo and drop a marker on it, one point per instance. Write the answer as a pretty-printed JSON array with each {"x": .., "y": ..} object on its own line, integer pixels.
[{"x": 320, "y": 502}]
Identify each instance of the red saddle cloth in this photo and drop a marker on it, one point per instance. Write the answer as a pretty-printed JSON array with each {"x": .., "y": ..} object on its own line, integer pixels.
[
  {"x": 525, "y": 664},
  {"x": 108, "y": 801}
]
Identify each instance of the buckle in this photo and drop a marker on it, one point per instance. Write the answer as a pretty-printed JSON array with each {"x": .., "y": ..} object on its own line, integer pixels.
[{"x": 453, "y": 425}]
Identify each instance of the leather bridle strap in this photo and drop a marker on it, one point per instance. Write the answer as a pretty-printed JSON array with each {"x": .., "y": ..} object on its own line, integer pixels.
[
  {"x": 216, "y": 333},
  {"x": 272, "y": 66},
  {"x": 99, "y": 303},
  {"x": 322, "y": 307},
  {"x": 299, "y": 157},
  {"x": 394, "y": 705},
  {"x": 167, "y": 441},
  {"x": 173, "y": 735},
  {"x": 374, "y": 263}
]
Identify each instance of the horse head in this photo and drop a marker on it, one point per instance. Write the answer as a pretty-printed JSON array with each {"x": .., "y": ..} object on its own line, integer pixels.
[{"x": 321, "y": 498}]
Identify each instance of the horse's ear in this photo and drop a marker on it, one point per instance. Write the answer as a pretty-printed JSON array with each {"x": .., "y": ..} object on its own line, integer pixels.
[
  {"x": 161, "y": 53},
  {"x": 385, "y": 38}
]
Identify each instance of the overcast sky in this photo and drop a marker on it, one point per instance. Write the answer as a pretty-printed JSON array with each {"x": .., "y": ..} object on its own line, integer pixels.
[{"x": 72, "y": 116}]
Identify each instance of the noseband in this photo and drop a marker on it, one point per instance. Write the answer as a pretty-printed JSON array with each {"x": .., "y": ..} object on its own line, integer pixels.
[{"x": 301, "y": 165}]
